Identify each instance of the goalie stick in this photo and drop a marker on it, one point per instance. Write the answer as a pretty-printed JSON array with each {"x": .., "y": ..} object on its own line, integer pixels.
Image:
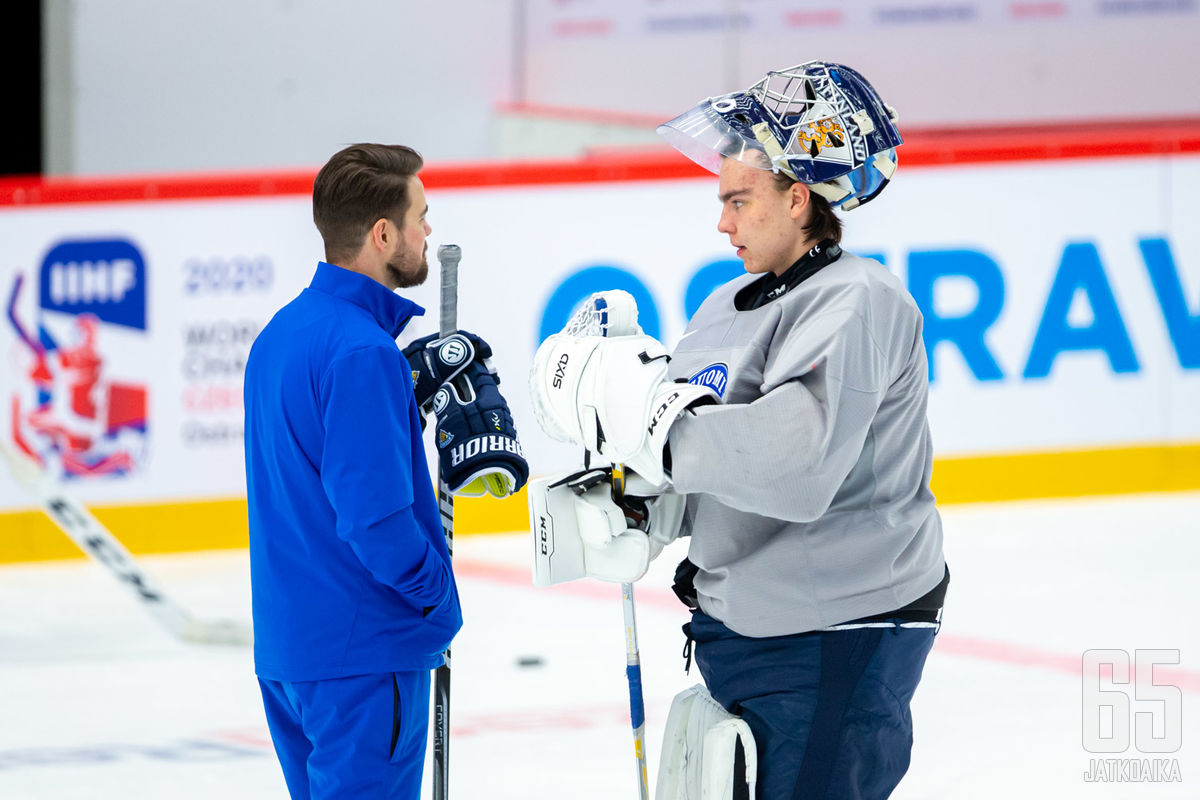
[
  {"x": 633, "y": 663},
  {"x": 448, "y": 257},
  {"x": 99, "y": 543},
  {"x": 600, "y": 317}
]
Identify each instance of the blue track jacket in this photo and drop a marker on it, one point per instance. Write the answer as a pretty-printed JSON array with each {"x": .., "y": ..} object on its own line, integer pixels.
[{"x": 349, "y": 568}]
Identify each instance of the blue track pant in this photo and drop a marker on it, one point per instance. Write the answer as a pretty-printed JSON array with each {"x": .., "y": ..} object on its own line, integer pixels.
[
  {"x": 829, "y": 709},
  {"x": 353, "y": 737}
]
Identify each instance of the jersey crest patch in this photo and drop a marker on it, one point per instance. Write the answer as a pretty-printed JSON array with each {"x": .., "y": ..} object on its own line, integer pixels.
[{"x": 714, "y": 376}]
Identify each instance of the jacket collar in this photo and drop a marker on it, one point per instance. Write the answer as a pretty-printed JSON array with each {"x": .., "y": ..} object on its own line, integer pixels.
[
  {"x": 389, "y": 309},
  {"x": 769, "y": 287}
]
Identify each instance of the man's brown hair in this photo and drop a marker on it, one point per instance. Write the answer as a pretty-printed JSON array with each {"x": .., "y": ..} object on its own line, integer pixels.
[
  {"x": 357, "y": 187},
  {"x": 823, "y": 223}
]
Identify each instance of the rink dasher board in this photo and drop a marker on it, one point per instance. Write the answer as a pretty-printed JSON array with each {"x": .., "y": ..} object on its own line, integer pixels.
[{"x": 1067, "y": 302}]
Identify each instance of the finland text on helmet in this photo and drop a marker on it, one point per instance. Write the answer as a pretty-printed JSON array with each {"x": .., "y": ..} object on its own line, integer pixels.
[{"x": 819, "y": 123}]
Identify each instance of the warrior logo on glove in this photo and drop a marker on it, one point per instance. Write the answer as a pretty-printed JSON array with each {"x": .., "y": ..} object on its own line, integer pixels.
[
  {"x": 483, "y": 445},
  {"x": 440, "y": 400},
  {"x": 454, "y": 351},
  {"x": 435, "y": 360}
]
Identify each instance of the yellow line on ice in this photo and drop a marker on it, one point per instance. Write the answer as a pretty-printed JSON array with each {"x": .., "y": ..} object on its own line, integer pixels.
[{"x": 28, "y": 535}]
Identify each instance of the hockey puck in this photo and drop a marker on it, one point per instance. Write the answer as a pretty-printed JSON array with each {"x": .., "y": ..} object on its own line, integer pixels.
[{"x": 530, "y": 661}]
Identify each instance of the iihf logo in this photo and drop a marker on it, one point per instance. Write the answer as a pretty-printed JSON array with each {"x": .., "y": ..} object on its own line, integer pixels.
[
  {"x": 76, "y": 413},
  {"x": 714, "y": 376}
]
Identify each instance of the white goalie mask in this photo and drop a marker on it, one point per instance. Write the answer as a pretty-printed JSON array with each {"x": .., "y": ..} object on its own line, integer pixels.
[{"x": 819, "y": 123}]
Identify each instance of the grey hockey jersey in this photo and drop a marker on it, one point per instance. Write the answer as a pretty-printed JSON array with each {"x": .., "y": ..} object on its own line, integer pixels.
[{"x": 808, "y": 486}]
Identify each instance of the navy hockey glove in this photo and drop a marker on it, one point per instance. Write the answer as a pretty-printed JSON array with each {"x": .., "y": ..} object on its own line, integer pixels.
[
  {"x": 435, "y": 360},
  {"x": 478, "y": 450}
]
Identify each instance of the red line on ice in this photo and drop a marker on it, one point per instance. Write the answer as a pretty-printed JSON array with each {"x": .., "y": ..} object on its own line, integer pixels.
[{"x": 1009, "y": 653}]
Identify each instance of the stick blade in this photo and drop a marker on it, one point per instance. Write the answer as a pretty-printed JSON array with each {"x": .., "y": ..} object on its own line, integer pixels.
[{"x": 224, "y": 632}]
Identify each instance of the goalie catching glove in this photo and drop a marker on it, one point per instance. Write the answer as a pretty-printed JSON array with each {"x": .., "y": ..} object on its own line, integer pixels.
[
  {"x": 611, "y": 395},
  {"x": 478, "y": 449},
  {"x": 580, "y": 531}
]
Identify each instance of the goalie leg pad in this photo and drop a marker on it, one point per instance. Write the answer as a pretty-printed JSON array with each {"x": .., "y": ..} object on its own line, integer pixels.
[
  {"x": 699, "y": 749},
  {"x": 830, "y": 709}
]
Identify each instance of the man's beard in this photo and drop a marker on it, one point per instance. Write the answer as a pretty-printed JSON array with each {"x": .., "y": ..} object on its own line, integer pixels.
[{"x": 408, "y": 271}]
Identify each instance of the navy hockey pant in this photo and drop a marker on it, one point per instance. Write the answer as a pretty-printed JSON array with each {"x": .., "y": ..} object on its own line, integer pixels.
[
  {"x": 828, "y": 709},
  {"x": 350, "y": 737}
]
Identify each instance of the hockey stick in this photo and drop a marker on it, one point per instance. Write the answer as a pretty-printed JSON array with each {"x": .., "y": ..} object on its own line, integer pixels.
[
  {"x": 98, "y": 542},
  {"x": 599, "y": 318},
  {"x": 22, "y": 334},
  {"x": 448, "y": 256},
  {"x": 633, "y": 661}
]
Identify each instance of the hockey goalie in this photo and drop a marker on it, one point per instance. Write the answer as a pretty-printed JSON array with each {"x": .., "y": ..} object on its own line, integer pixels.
[{"x": 786, "y": 435}]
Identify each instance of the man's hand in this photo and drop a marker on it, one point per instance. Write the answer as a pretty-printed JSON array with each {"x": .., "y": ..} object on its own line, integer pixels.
[
  {"x": 435, "y": 360},
  {"x": 478, "y": 449}
]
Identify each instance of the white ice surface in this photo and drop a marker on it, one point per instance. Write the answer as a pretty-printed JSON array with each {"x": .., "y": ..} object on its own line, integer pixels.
[{"x": 97, "y": 702}]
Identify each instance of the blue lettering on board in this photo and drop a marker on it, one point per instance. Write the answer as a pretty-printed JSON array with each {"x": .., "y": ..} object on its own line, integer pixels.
[
  {"x": 965, "y": 331},
  {"x": 1080, "y": 271},
  {"x": 1183, "y": 326}
]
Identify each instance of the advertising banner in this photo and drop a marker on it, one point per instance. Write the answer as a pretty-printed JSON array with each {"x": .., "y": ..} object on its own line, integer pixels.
[{"x": 1061, "y": 304}]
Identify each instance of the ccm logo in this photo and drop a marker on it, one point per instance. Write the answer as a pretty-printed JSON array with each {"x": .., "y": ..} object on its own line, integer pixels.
[
  {"x": 560, "y": 371},
  {"x": 661, "y": 411}
]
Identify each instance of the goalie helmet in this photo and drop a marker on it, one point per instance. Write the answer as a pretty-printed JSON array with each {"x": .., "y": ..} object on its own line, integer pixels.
[{"x": 819, "y": 123}]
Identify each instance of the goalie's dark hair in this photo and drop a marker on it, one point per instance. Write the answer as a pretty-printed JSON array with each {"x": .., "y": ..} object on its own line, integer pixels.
[
  {"x": 824, "y": 222},
  {"x": 357, "y": 187}
]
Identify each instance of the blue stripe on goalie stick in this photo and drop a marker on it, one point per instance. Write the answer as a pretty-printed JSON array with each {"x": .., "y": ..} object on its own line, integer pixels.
[{"x": 637, "y": 707}]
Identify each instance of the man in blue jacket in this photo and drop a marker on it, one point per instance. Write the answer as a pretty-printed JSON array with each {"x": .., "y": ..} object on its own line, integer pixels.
[{"x": 354, "y": 599}]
